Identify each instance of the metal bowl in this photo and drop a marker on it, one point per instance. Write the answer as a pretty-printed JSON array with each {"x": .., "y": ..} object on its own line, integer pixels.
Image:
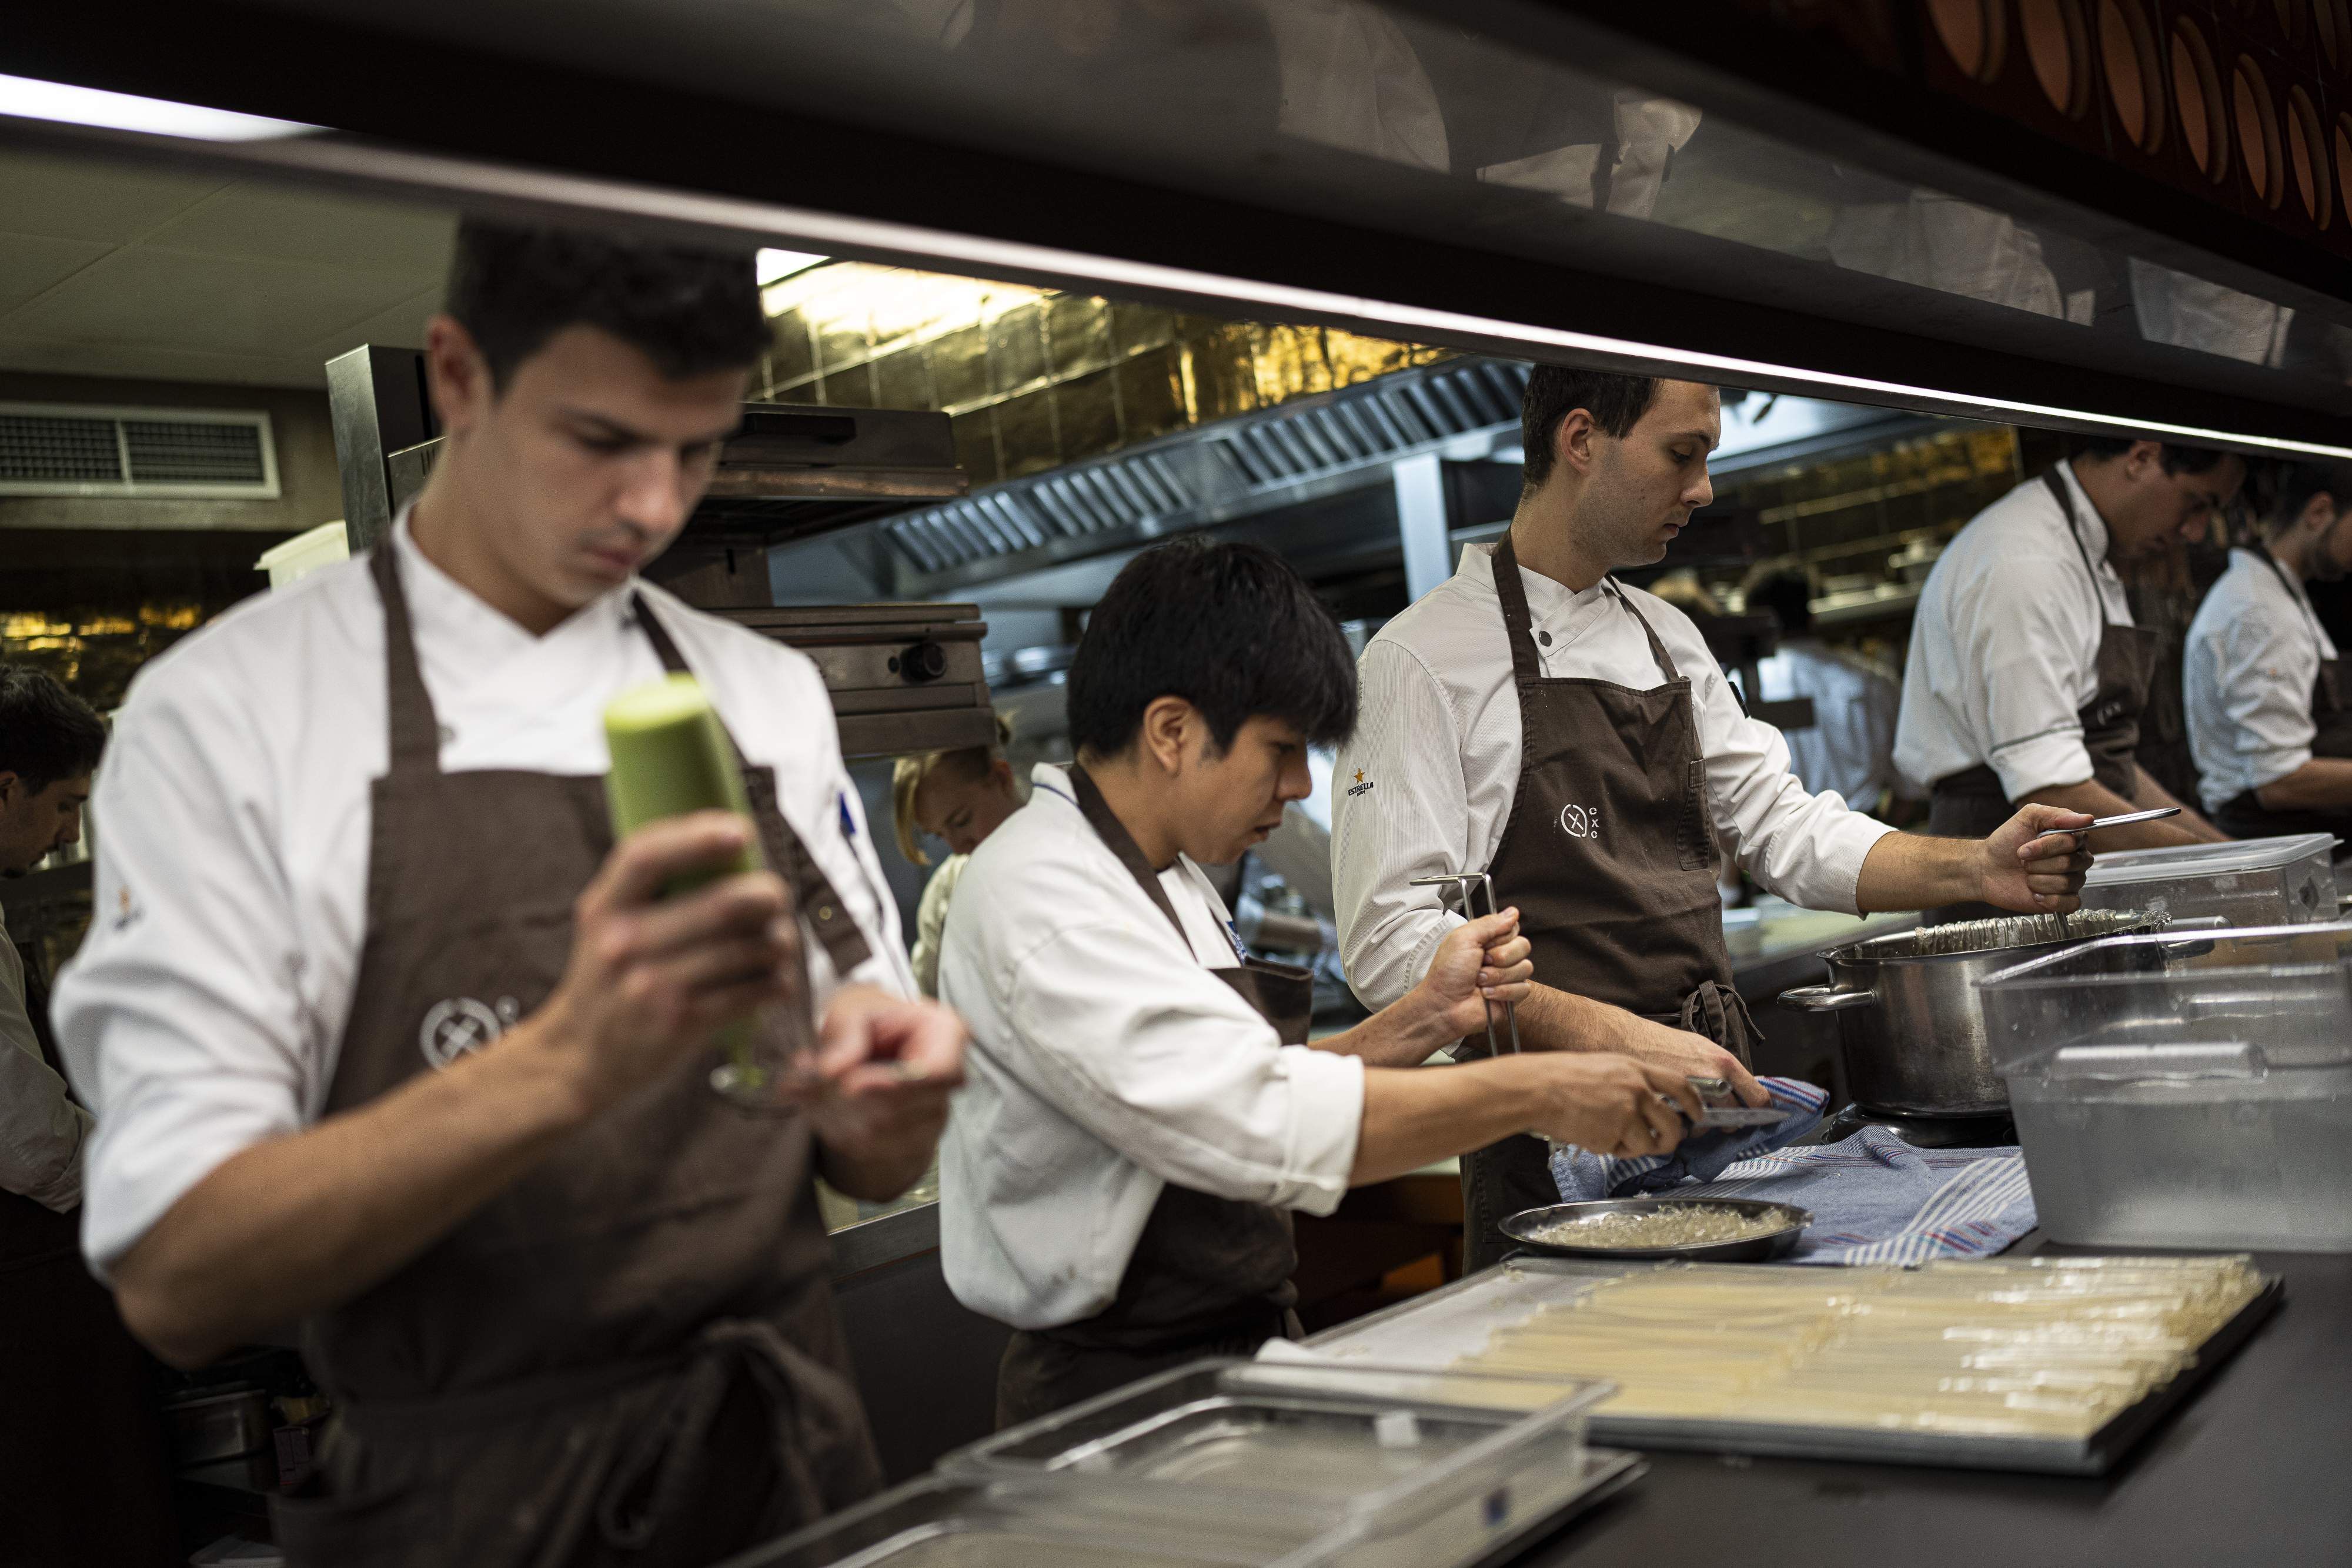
[{"x": 1525, "y": 1227}]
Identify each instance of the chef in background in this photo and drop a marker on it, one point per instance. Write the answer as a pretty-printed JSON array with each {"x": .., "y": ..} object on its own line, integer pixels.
[
  {"x": 2268, "y": 717},
  {"x": 1850, "y": 746},
  {"x": 959, "y": 796},
  {"x": 1145, "y": 1109},
  {"x": 81, "y": 1447},
  {"x": 388, "y": 1036},
  {"x": 2026, "y": 678},
  {"x": 1574, "y": 738}
]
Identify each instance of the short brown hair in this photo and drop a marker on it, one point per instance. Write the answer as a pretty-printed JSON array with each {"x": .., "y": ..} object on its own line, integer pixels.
[{"x": 1554, "y": 391}]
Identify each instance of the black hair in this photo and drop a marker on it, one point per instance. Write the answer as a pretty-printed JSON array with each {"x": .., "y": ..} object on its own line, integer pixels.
[
  {"x": 1228, "y": 628},
  {"x": 46, "y": 733},
  {"x": 690, "y": 311},
  {"x": 2176, "y": 459},
  {"x": 1554, "y": 391},
  {"x": 1789, "y": 595},
  {"x": 2286, "y": 488}
]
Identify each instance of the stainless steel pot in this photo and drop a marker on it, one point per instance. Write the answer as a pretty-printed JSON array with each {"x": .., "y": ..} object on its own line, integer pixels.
[{"x": 1910, "y": 1025}]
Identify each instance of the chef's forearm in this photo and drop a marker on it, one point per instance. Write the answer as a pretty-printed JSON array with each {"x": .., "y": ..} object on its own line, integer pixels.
[
  {"x": 1552, "y": 1019},
  {"x": 305, "y": 1222},
  {"x": 2322, "y": 784},
  {"x": 1414, "y": 1119},
  {"x": 2101, "y": 802},
  {"x": 2152, "y": 794},
  {"x": 1405, "y": 1033}
]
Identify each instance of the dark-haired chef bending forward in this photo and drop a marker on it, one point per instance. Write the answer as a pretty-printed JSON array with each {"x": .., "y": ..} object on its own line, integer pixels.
[{"x": 1572, "y": 736}]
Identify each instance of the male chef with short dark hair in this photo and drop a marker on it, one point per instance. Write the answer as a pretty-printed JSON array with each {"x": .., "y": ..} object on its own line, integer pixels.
[
  {"x": 1537, "y": 719},
  {"x": 387, "y": 1035}
]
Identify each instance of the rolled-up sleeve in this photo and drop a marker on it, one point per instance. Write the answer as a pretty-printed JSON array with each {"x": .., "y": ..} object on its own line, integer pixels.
[
  {"x": 1807, "y": 848},
  {"x": 180, "y": 1019},
  {"x": 1170, "y": 1067},
  {"x": 2262, "y": 677},
  {"x": 1400, "y": 810}
]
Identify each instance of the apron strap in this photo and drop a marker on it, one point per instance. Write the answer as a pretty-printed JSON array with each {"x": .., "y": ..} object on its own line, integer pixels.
[
  {"x": 1665, "y": 661},
  {"x": 1517, "y": 621},
  {"x": 2074, "y": 531},
  {"x": 844, "y": 944},
  {"x": 1113, "y": 832},
  {"x": 2294, "y": 591},
  {"x": 414, "y": 731}
]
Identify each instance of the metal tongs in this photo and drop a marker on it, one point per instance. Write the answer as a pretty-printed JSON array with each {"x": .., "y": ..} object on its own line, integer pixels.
[
  {"x": 1722, "y": 1107},
  {"x": 1462, "y": 882}
]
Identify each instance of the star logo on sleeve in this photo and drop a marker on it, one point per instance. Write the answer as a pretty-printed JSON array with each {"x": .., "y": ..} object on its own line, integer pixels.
[{"x": 1360, "y": 785}]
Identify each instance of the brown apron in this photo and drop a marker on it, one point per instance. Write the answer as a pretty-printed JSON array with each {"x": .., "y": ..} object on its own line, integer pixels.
[
  {"x": 1610, "y": 855},
  {"x": 630, "y": 1355},
  {"x": 2246, "y": 817},
  {"x": 1209, "y": 1276},
  {"x": 83, "y": 1466},
  {"x": 1970, "y": 804}
]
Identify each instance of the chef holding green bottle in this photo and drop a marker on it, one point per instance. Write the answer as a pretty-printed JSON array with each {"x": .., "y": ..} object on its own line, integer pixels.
[{"x": 386, "y": 1034}]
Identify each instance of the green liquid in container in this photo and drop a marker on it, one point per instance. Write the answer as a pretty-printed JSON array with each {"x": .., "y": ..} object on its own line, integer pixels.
[{"x": 670, "y": 756}]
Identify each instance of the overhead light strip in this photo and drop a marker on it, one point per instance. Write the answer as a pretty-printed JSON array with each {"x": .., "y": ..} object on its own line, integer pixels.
[
  {"x": 28, "y": 99},
  {"x": 833, "y": 233}
]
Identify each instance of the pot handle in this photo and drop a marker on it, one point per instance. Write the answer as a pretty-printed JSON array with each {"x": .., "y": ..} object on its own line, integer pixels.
[{"x": 1826, "y": 998}]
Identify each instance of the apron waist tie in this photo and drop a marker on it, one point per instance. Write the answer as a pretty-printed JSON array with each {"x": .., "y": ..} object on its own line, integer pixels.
[
  {"x": 1720, "y": 1013},
  {"x": 667, "y": 1453}
]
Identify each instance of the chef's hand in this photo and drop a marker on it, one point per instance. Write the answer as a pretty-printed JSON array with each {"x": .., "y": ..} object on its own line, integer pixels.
[
  {"x": 650, "y": 978},
  {"x": 1688, "y": 1055},
  {"x": 886, "y": 1068},
  {"x": 1610, "y": 1105},
  {"x": 2032, "y": 865},
  {"x": 1482, "y": 962}
]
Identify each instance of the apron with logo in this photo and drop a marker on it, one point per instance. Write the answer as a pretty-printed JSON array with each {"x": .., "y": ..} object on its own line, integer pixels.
[
  {"x": 629, "y": 1355},
  {"x": 1610, "y": 855},
  {"x": 1209, "y": 1276},
  {"x": 2246, "y": 817},
  {"x": 1970, "y": 804}
]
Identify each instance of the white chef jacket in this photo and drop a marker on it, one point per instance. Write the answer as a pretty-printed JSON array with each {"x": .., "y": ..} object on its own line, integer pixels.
[
  {"x": 1850, "y": 746},
  {"x": 206, "y": 1006},
  {"x": 1425, "y": 785},
  {"x": 2005, "y": 644},
  {"x": 2253, "y": 651},
  {"x": 41, "y": 1130},
  {"x": 1106, "y": 1062}
]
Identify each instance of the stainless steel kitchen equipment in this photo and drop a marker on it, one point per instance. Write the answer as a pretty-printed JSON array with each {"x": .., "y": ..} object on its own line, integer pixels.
[
  {"x": 2166, "y": 1099},
  {"x": 1437, "y": 1331},
  {"x": 1910, "y": 1026},
  {"x": 1313, "y": 1454},
  {"x": 2242, "y": 883},
  {"x": 2125, "y": 819},
  {"x": 903, "y": 677},
  {"x": 1462, "y": 882},
  {"x": 1532, "y": 1228},
  {"x": 221, "y": 1426}
]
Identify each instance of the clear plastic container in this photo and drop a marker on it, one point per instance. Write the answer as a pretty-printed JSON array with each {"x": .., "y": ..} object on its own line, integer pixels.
[
  {"x": 938, "y": 1522},
  {"x": 1418, "y": 1469},
  {"x": 2194, "y": 1092},
  {"x": 2247, "y": 882}
]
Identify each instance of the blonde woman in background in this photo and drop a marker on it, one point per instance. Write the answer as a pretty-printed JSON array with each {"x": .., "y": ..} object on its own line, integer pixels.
[{"x": 962, "y": 797}]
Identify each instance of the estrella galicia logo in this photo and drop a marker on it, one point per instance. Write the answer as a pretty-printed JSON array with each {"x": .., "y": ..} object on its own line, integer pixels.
[
  {"x": 459, "y": 1025},
  {"x": 1360, "y": 786},
  {"x": 1581, "y": 821}
]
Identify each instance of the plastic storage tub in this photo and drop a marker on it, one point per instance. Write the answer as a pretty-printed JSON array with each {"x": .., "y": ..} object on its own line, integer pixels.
[
  {"x": 2248, "y": 881},
  {"x": 2195, "y": 1092},
  {"x": 1419, "y": 1469}
]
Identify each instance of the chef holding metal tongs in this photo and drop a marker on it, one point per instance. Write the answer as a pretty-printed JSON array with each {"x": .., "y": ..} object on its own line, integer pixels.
[{"x": 1570, "y": 743}]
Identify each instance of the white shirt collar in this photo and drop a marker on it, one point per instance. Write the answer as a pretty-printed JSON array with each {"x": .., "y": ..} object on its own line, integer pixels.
[
  {"x": 434, "y": 592},
  {"x": 2092, "y": 527},
  {"x": 1552, "y": 605}
]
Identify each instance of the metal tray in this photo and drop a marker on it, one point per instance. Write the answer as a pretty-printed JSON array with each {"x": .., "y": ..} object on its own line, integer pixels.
[
  {"x": 1456, "y": 1317},
  {"x": 1523, "y": 1227}
]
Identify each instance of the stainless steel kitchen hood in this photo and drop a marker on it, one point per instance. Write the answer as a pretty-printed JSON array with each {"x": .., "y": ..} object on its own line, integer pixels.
[{"x": 1841, "y": 200}]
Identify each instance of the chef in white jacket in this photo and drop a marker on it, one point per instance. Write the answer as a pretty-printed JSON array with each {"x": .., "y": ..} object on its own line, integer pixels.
[
  {"x": 1571, "y": 737},
  {"x": 2268, "y": 720},
  {"x": 386, "y": 1034}
]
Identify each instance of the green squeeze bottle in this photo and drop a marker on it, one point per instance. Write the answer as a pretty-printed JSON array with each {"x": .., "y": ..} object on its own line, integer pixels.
[{"x": 671, "y": 757}]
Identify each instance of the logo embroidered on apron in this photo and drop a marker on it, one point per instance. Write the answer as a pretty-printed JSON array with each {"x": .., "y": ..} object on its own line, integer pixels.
[
  {"x": 1581, "y": 821},
  {"x": 460, "y": 1024}
]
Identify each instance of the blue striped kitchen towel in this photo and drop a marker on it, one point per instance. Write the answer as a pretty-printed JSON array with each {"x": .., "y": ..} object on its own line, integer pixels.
[
  {"x": 1584, "y": 1176},
  {"x": 1876, "y": 1199}
]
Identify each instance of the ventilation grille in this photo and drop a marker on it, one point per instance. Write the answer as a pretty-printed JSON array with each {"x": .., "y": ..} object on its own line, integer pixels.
[
  {"x": 52, "y": 450},
  {"x": 1249, "y": 459}
]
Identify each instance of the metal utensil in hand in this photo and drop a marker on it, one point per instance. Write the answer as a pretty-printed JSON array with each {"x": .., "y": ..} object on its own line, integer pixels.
[
  {"x": 1462, "y": 882},
  {"x": 2122, "y": 819}
]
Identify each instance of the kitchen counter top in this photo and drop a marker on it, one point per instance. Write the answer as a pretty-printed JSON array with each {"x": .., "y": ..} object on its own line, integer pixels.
[{"x": 2250, "y": 1469}]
